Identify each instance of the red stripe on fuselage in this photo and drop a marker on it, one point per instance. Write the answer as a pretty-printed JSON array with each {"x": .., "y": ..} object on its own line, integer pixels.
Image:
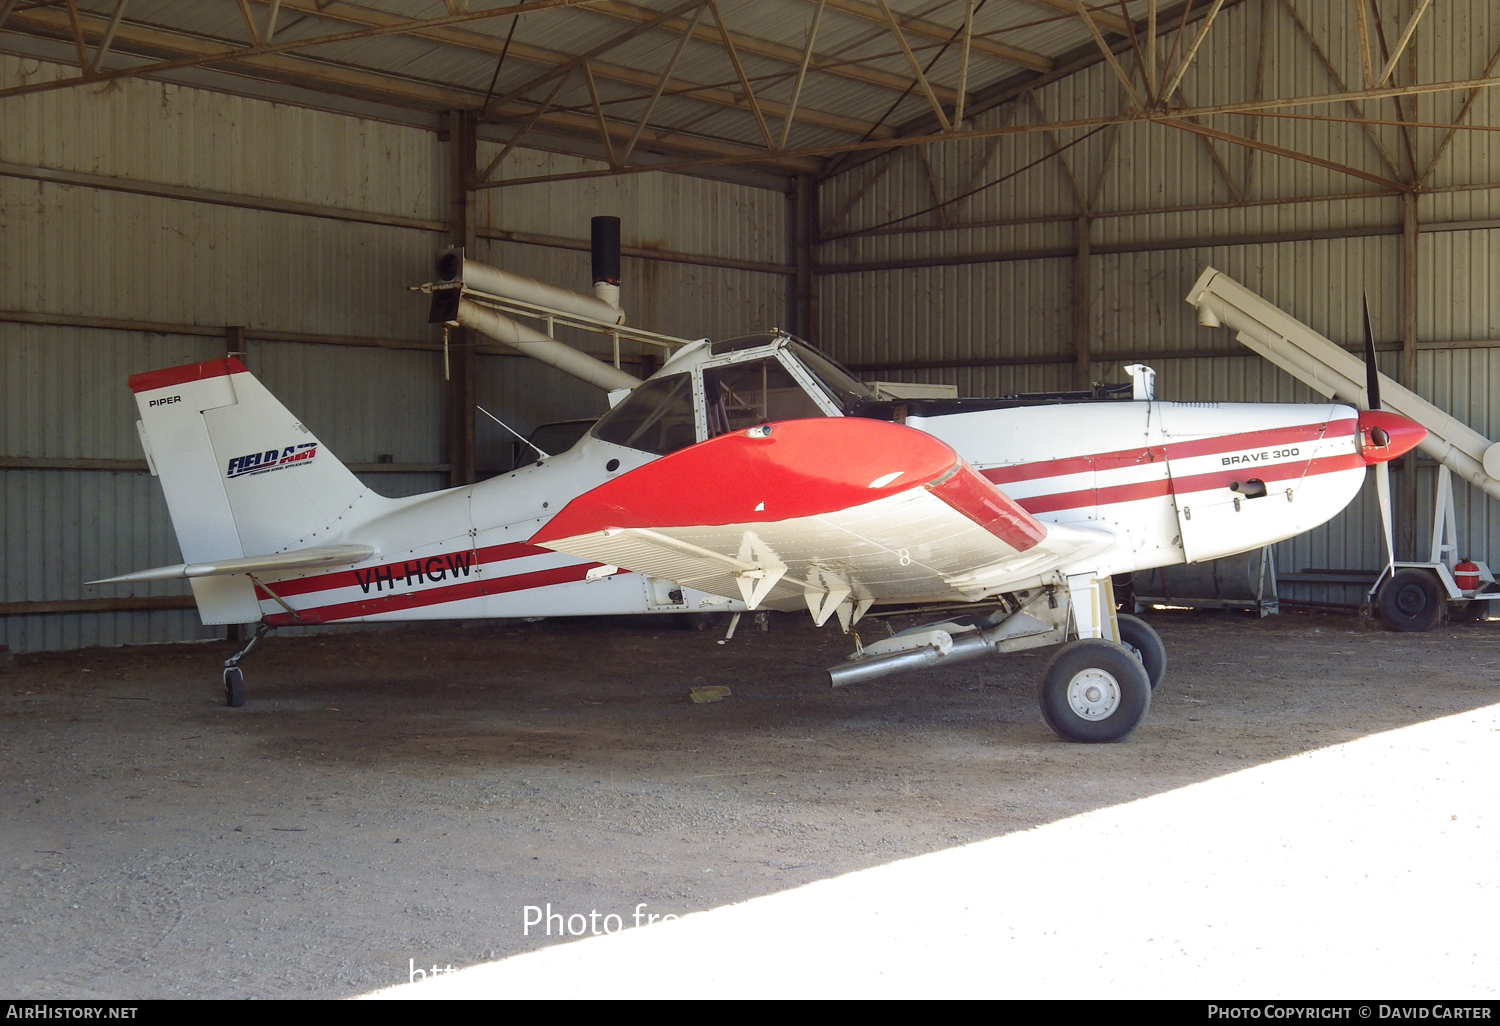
[
  {"x": 352, "y": 578},
  {"x": 1175, "y": 451},
  {"x": 433, "y": 596},
  {"x": 1111, "y": 495},
  {"x": 1260, "y": 439}
]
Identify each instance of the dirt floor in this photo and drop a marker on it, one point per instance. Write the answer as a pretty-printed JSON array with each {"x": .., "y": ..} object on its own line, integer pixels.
[{"x": 396, "y": 799}]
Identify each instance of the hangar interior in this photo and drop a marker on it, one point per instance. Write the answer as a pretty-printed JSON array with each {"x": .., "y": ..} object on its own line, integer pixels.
[
  {"x": 1004, "y": 196},
  {"x": 269, "y": 179}
]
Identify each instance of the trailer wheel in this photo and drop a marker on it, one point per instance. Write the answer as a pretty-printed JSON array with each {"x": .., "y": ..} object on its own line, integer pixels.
[
  {"x": 1141, "y": 638},
  {"x": 1095, "y": 691},
  {"x": 1468, "y": 612},
  {"x": 1412, "y": 600}
]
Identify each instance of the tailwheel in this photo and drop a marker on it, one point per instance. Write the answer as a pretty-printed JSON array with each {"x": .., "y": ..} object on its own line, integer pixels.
[
  {"x": 1095, "y": 691},
  {"x": 1141, "y": 638},
  {"x": 234, "y": 687}
]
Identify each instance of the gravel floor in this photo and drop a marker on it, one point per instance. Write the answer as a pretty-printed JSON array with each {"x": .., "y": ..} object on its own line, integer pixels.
[{"x": 397, "y": 799}]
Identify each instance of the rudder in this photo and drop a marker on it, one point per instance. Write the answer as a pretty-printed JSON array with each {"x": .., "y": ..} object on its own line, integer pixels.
[{"x": 242, "y": 476}]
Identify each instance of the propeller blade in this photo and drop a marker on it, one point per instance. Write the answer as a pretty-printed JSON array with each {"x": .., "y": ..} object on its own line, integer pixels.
[
  {"x": 1372, "y": 372},
  {"x": 1383, "y": 494}
]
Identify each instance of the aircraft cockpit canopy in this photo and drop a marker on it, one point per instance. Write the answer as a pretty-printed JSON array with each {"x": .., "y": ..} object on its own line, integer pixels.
[{"x": 737, "y": 383}]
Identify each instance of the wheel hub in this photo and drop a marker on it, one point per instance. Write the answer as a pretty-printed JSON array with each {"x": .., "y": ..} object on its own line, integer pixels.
[
  {"x": 1093, "y": 694},
  {"x": 1411, "y": 600}
]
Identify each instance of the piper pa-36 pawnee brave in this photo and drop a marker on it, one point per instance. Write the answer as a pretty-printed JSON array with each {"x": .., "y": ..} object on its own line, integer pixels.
[{"x": 754, "y": 473}]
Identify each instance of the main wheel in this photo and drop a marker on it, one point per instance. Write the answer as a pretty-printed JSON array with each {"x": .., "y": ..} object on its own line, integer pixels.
[
  {"x": 234, "y": 687},
  {"x": 1412, "y": 600},
  {"x": 1141, "y": 638},
  {"x": 1095, "y": 691}
]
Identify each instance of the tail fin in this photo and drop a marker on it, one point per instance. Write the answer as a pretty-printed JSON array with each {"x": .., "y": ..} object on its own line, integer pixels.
[{"x": 241, "y": 475}]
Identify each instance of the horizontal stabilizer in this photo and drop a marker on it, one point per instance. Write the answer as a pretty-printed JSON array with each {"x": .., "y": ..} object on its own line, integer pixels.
[{"x": 318, "y": 556}]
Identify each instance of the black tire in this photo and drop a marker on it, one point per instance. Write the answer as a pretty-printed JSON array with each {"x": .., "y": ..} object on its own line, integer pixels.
[
  {"x": 1095, "y": 707},
  {"x": 1468, "y": 612},
  {"x": 1139, "y": 636},
  {"x": 234, "y": 687},
  {"x": 1412, "y": 600}
]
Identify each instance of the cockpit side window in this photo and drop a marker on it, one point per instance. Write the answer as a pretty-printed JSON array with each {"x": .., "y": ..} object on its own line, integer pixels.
[
  {"x": 656, "y": 417},
  {"x": 742, "y": 395}
]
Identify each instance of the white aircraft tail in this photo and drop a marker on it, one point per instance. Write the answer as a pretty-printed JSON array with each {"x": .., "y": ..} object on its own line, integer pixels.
[{"x": 242, "y": 477}]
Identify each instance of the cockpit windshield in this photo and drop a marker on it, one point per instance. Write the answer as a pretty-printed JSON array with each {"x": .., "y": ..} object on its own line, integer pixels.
[
  {"x": 739, "y": 391},
  {"x": 656, "y": 417},
  {"x": 754, "y": 392},
  {"x": 842, "y": 387}
]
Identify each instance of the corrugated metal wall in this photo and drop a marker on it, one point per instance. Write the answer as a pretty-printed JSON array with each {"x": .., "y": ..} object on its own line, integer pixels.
[
  {"x": 1019, "y": 305},
  {"x": 671, "y": 213},
  {"x": 99, "y": 255},
  {"x": 196, "y": 264}
]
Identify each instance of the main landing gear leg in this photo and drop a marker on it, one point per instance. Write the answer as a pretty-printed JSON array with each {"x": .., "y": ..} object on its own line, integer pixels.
[
  {"x": 1097, "y": 689},
  {"x": 234, "y": 677}
]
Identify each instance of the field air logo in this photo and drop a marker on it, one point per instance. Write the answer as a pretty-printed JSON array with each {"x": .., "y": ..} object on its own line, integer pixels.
[{"x": 272, "y": 459}]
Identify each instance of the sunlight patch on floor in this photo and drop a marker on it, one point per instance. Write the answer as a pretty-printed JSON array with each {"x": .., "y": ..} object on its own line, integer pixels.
[{"x": 1364, "y": 869}]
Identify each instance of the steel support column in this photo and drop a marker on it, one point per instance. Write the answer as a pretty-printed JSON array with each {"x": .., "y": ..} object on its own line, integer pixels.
[
  {"x": 805, "y": 232},
  {"x": 1408, "y": 370},
  {"x": 462, "y": 171},
  {"x": 1083, "y": 314}
]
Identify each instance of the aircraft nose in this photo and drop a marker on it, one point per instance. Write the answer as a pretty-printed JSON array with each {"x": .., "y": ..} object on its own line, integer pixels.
[{"x": 1384, "y": 436}]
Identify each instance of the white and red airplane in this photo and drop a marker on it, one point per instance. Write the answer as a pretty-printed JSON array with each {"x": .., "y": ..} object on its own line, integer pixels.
[{"x": 754, "y": 473}]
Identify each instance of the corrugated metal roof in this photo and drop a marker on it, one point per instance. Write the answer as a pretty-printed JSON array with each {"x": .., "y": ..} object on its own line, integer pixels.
[{"x": 860, "y": 72}]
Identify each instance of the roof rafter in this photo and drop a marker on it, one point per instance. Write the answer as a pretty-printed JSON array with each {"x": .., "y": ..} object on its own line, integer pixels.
[
  {"x": 822, "y": 63},
  {"x": 1338, "y": 80},
  {"x": 1177, "y": 118},
  {"x": 406, "y": 92},
  {"x": 916, "y": 68},
  {"x": 1192, "y": 125},
  {"x": 942, "y": 33},
  {"x": 609, "y": 44},
  {"x": 1106, "y": 51},
  {"x": 356, "y": 14},
  {"x": 220, "y": 55},
  {"x": 739, "y": 70},
  {"x": 1104, "y": 19},
  {"x": 102, "y": 49}
]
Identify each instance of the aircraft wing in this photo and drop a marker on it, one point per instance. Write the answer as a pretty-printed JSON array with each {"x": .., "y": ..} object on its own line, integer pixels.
[{"x": 836, "y": 513}]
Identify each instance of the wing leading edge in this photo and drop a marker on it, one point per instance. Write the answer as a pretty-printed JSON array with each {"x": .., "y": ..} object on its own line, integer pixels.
[{"x": 834, "y": 513}]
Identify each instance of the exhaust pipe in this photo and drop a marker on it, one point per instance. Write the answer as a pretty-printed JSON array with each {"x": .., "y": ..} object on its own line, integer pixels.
[
  {"x": 542, "y": 347},
  {"x": 604, "y": 247}
]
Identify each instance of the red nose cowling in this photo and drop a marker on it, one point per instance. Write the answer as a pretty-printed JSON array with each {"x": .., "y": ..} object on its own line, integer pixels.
[{"x": 1384, "y": 436}]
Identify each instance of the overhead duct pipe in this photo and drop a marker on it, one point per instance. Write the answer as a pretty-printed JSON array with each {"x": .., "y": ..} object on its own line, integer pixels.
[
  {"x": 452, "y": 266},
  {"x": 541, "y": 347},
  {"x": 1333, "y": 371}
]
